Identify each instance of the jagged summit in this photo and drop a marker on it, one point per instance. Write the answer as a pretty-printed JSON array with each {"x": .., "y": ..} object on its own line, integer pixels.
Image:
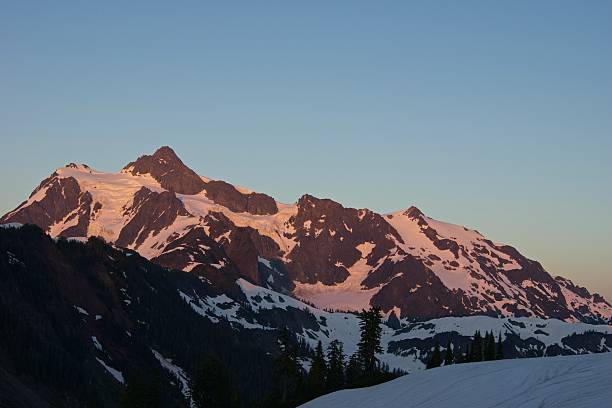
[
  {"x": 173, "y": 175},
  {"x": 166, "y": 152},
  {"x": 414, "y": 213},
  {"x": 168, "y": 169}
]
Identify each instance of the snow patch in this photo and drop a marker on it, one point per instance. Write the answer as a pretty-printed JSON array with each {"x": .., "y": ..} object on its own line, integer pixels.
[
  {"x": 178, "y": 373},
  {"x": 117, "y": 375},
  {"x": 11, "y": 225},
  {"x": 96, "y": 343},
  {"x": 265, "y": 262},
  {"x": 81, "y": 310}
]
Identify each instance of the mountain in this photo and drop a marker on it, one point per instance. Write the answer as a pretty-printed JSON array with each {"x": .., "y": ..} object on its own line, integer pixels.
[
  {"x": 576, "y": 382},
  {"x": 80, "y": 318},
  {"x": 412, "y": 266}
]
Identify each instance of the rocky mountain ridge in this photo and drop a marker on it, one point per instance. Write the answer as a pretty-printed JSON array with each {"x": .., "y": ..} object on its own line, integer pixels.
[{"x": 410, "y": 265}]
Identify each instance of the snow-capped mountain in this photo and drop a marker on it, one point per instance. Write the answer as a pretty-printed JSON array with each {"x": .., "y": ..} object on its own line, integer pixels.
[{"x": 412, "y": 266}]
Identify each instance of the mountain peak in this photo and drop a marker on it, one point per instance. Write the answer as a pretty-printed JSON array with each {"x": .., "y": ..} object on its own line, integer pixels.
[
  {"x": 168, "y": 169},
  {"x": 166, "y": 153},
  {"x": 413, "y": 212}
]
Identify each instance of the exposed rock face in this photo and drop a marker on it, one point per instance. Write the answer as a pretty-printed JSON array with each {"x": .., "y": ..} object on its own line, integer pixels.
[
  {"x": 150, "y": 213},
  {"x": 228, "y": 196},
  {"x": 242, "y": 244},
  {"x": 61, "y": 203},
  {"x": 414, "y": 287},
  {"x": 336, "y": 257},
  {"x": 579, "y": 300},
  {"x": 79, "y": 218},
  {"x": 165, "y": 167},
  {"x": 196, "y": 253},
  {"x": 329, "y": 236},
  {"x": 172, "y": 174}
]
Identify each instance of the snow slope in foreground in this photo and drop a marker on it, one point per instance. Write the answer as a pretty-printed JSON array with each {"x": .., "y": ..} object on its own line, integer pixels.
[{"x": 569, "y": 381}]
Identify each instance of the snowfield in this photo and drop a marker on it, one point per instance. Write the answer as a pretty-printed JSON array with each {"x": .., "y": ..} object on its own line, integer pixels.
[{"x": 583, "y": 381}]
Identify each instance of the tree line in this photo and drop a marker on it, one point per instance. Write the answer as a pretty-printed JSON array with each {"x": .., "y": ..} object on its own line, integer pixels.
[
  {"x": 330, "y": 370},
  {"x": 479, "y": 349}
]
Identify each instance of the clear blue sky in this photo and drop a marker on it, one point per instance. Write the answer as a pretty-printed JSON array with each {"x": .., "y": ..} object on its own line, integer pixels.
[{"x": 494, "y": 115}]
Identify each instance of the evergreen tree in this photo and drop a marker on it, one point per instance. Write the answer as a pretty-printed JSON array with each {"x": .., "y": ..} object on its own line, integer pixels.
[
  {"x": 489, "y": 352},
  {"x": 335, "y": 372},
  {"x": 449, "y": 357},
  {"x": 354, "y": 369},
  {"x": 476, "y": 353},
  {"x": 211, "y": 386},
  {"x": 499, "y": 353},
  {"x": 468, "y": 354},
  {"x": 287, "y": 371},
  {"x": 436, "y": 359},
  {"x": 459, "y": 356},
  {"x": 317, "y": 373},
  {"x": 369, "y": 345}
]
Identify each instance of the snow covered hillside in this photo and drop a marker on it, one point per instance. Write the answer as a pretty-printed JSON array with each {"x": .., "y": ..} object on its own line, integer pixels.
[
  {"x": 409, "y": 346},
  {"x": 569, "y": 381}
]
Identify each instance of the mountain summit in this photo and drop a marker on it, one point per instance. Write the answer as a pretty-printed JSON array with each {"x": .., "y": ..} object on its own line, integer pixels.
[
  {"x": 316, "y": 249},
  {"x": 166, "y": 167}
]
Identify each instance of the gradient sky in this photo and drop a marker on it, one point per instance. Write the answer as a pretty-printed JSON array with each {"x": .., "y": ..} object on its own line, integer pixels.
[{"x": 493, "y": 115}]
